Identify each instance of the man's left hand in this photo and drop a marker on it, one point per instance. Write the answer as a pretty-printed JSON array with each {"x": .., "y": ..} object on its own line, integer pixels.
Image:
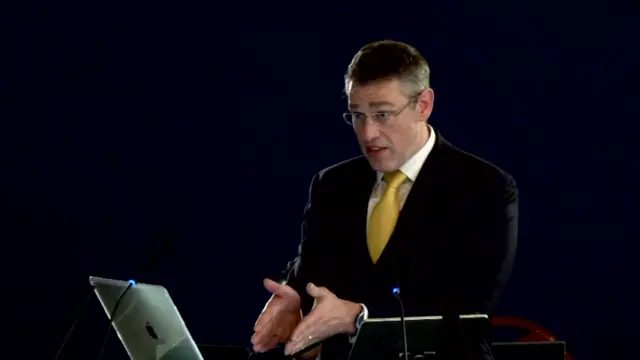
[{"x": 329, "y": 316}]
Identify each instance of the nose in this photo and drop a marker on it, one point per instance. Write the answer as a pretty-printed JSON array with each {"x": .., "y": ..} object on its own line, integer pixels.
[{"x": 370, "y": 131}]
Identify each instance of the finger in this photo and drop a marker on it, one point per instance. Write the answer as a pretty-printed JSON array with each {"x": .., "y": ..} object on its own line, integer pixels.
[
  {"x": 270, "y": 338},
  {"x": 293, "y": 347},
  {"x": 264, "y": 327},
  {"x": 270, "y": 311},
  {"x": 263, "y": 336},
  {"x": 301, "y": 332},
  {"x": 259, "y": 323},
  {"x": 258, "y": 338},
  {"x": 266, "y": 345},
  {"x": 271, "y": 286},
  {"x": 317, "y": 292},
  {"x": 259, "y": 334},
  {"x": 299, "y": 339},
  {"x": 265, "y": 317},
  {"x": 280, "y": 289},
  {"x": 271, "y": 330}
]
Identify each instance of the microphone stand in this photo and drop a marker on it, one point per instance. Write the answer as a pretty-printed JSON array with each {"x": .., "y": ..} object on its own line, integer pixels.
[
  {"x": 156, "y": 255},
  {"x": 403, "y": 324}
]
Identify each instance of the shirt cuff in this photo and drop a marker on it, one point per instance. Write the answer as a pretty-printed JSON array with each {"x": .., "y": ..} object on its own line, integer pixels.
[{"x": 365, "y": 316}]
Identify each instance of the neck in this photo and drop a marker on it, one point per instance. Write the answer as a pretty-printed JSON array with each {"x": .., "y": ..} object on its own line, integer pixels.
[{"x": 421, "y": 139}]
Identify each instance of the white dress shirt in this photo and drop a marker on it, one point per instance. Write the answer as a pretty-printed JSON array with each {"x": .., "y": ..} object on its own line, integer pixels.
[{"x": 411, "y": 168}]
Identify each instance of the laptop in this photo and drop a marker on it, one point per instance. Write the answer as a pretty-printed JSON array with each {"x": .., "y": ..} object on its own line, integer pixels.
[{"x": 146, "y": 320}]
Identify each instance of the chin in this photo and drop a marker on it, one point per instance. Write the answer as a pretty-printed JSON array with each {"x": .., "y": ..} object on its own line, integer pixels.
[{"x": 381, "y": 166}]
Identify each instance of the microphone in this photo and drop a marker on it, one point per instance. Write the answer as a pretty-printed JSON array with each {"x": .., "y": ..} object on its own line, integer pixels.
[
  {"x": 396, "y": 292},
  {"x": 403, "y": 324},
  {"x": 131, "y": 284},
  {"x": 158, "y": 253},
  {"x": 82, "y": 311},
  {"x": 76, "y": 318}
]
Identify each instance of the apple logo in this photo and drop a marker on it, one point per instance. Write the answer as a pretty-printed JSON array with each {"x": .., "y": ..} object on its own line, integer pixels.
[{"x": 151, "y": 331}]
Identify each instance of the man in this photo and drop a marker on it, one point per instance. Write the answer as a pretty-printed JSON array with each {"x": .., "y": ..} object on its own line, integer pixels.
[{"x": 414, "y": 210}]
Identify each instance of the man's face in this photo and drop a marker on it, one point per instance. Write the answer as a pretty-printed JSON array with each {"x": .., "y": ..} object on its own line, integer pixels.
[{"x": 390, "y": 123}]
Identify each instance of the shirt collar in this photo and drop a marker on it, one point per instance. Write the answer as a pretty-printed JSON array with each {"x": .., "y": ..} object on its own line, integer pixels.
[{"x": 412, "y": 167}]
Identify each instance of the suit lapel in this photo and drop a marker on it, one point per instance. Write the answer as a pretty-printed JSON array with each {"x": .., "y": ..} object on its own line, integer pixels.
[
  {"x": 424, "y": 195},
  {"x": 362, "y": 182},
  {"x": 362, "y": 185}
]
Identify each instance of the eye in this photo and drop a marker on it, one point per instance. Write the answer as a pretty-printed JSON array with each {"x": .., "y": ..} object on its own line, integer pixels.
[
  {"x": 382, "y": 116},
  {"x": 357, "y": 116}
]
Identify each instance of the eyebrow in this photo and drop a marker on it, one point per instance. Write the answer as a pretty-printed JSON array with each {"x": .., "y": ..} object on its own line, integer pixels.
[{"x": 373, "y": 104}]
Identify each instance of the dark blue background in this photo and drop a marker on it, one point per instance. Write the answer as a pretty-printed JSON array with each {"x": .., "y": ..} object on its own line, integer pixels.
[{"x": 188, "y": 133}]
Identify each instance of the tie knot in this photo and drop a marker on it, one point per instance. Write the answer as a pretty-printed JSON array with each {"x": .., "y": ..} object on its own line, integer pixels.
[{"x": 394, "y": 179}]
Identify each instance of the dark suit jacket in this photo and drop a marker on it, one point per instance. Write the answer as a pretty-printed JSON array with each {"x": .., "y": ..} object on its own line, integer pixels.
[{"x": 451, "y": 252}]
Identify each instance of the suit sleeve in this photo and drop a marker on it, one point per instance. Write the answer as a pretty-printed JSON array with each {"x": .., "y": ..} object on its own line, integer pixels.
[
  {"x": 306, "y": 267},
  {"x": 489, "y": 261}
]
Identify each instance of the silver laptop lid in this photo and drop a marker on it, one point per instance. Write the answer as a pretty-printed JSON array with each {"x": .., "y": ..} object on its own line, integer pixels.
[{"x": 146, "y": 320}]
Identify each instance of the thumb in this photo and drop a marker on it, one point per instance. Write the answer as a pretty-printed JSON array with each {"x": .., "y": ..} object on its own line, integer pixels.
[
  {"x": 317, "y": 292},
  {"x": 272, "y": 286}
]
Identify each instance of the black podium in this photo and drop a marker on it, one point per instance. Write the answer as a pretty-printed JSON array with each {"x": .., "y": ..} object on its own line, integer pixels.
[
  {"x": 419, "y": 337},
  {"x": 221, "y": 352}
]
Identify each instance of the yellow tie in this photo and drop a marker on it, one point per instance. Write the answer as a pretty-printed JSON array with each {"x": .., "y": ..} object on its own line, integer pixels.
[{"x": 384, "y": 216}]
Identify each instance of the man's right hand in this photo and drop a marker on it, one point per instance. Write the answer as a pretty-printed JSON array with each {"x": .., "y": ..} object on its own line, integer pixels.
[{"x": 278, "y": 319}]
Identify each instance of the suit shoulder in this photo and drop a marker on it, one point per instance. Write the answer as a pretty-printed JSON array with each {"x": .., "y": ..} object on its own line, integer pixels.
[
  {"x": 482, "y": 172},
  {"x": 344, "y": 169},
  {"x": 338, "y": 181}
]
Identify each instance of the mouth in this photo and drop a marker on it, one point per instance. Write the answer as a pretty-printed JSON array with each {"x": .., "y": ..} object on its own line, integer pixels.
[{"x": 375, "y": 150}]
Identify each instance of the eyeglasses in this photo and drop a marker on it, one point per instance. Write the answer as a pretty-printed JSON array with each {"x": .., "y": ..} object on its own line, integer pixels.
[{"x": 378, "y": 117}]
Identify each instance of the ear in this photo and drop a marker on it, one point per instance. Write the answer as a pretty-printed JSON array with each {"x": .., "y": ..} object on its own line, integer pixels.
[{"x": 425, "y": 103}]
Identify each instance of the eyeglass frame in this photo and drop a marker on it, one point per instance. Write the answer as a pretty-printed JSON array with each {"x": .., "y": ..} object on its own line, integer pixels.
[{"x": 391, "y": 114}]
